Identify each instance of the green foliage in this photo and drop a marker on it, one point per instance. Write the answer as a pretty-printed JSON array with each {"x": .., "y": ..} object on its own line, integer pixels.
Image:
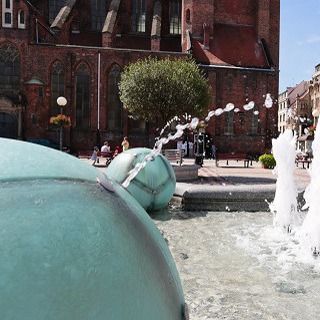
[
  {"x": 267, "y": 160},
  {"x": 154, "y": 89}
]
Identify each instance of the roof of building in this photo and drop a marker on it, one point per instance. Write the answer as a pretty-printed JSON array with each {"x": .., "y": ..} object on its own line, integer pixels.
[
  {"x": 297, "y": 91},
  {"x": 232, "y": 45}
]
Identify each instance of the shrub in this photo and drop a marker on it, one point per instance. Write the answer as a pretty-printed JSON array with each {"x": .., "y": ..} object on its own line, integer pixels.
[{"x": 267, "y": 161}]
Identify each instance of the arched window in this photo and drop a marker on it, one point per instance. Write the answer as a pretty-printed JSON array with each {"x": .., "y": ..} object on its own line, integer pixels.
[
  {"x": 99, "y": 12},
  {"x": 54, "y": 8},
  {"x": 9, "y": 68},
  {"x": 7, "y": 13},
  {"x": 175, "y": 16},
  {"x": 188, "y": 16},
  {"x": 114, "y": 103},
  {"x": 254, "y": 120},
  {"x": 57, "y": 87},
  {"x": 138, "y": 16},
  {"x": 229, "y": 123},
  {"x": 21, "y": 19},
  {"x": 82, "y": 97}
]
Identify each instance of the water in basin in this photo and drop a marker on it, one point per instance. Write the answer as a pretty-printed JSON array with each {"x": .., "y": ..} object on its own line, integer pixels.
[{"x": 238, "y": 266}]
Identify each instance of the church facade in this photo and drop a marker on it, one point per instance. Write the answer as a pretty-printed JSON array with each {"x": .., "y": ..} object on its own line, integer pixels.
[{"x": 78, "y": 48}]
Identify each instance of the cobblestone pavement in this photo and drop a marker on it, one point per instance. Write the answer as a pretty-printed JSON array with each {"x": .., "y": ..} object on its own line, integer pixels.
[{"x": 234, "y": 173}]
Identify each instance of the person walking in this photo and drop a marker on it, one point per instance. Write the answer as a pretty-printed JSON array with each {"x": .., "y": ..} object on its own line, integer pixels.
[
  {"x": 213, "y": 152},
  {"x": 94, "y": 155}
]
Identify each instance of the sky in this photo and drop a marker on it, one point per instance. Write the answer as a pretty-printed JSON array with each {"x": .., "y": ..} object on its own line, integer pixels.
[{"x": 299, "y": 41}]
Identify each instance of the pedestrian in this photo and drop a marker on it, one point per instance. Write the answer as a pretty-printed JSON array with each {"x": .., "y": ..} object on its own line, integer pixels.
[
  {"x": 213, "y": 151},
  {"x": 117, "y": 150},
  {"x": 94, "y": 155},
  {"x": 105, "y": 147},
  {"x": 125, "y": 144}
]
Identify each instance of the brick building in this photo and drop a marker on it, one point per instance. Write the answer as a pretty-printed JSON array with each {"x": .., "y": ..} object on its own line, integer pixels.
[{"x": 77, "y": 49}]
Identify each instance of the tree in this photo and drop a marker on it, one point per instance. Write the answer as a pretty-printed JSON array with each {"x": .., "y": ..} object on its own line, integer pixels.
[{"x": 158, "y": 90}]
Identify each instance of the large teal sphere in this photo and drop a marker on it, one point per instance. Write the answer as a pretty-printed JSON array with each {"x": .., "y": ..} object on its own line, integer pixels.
[
  {"x": 74, "y": 247},
  {"x": 154, "y": 185}
]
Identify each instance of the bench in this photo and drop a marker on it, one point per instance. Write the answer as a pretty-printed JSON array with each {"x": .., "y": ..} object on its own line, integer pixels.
[
  {"x": 233, "y": 156},
  {"x": 174, "y": 155},
  {"x": 303, "y": 161}
]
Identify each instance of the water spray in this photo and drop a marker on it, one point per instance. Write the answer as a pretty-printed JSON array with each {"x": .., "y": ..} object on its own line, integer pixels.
[{"x": 160, "y": 142}]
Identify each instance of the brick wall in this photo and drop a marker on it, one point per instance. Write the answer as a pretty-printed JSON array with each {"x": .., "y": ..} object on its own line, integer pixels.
[{"x": 228, "y": 85}]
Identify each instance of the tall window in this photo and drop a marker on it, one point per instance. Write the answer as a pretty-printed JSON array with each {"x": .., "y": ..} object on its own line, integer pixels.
[
  {"x": 8, "y": 126},
  {"x": 82, "y": 97},
  {"x": 188, "y": 16},
  {"x": 175, "y": 16},
  {"x": 99, "y": 12},
  {"x": 254, "y": 119},
  {"x": 9, "y": 68},
  {"x": 7, "y": 13},
  {"x": 114, "y": 103},
  {"x": 229, "y": 123},
  {"x": 54, "y": 8},
  {"x": 21, "y": 19},
  {"x": 57, "y": 87},
  {"x": 138, "y": 16}
]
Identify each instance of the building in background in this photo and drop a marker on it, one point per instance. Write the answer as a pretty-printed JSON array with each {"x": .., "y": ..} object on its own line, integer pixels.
[
  {"x": 78, "y": 48},
  {"x": 314, "y": 90},
  {"x": 299, "y": 110}
]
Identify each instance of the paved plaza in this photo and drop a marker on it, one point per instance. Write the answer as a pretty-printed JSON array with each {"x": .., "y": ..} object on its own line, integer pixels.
[{"x": 233, "y": 174}]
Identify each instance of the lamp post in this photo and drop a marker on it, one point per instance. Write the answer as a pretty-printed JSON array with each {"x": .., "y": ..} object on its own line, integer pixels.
[
  {"x": 187, "y": 118},
  {"x": 61, "y": 101}
]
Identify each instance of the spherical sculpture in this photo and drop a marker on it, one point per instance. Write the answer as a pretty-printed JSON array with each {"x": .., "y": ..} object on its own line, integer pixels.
[
  {"x": 154, "y": 185},
  {"x": 76, "y": 245}
]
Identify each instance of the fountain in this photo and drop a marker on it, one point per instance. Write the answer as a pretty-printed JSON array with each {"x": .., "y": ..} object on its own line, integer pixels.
[
  {"x": 75, "y": 245},
  {"x": 130, "y": 166},
  {"x": 261, "y": 265},
  {"x": 101, "y": 229},
  {"x": 161, "y": 141},
  {"x": 310, "y": 230},
  {"x": 252, "y": 265},
  {"x": 284, "y": 205}
]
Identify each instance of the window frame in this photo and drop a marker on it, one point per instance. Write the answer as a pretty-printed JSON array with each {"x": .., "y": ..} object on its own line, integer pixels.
[
  {"x": 254, "y": 121},
  {"x": 7, "y": 11},
  {"x": 99, "y": 10},
  {"x": 57, "y": 71},
  {"x": 138, "y": 16},
  {"x": 82, "y": 90},
  {"x": 229, "y": 123},
  {"x": 10, "y": 68},
  {"x": 115, "y": 106},
  {"x": 175, "y": 7},
  {"x": 21, "y": 25}
]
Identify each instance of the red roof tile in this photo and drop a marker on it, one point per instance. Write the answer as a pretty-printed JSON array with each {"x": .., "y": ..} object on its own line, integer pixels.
[
  {"x": 298, "y": 91},
  {"x": 232, "y": 45}
]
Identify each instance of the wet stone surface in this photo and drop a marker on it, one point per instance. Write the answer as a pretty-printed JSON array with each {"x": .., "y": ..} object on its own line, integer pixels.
[{"x": 227, "y": 273}]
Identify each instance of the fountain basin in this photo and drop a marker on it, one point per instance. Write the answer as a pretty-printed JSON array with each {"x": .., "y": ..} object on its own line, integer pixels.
[
  {"x": 224, "y": 197},
  {"x": 75, "y": 245},
  {"x": 186, "y": 172}
]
